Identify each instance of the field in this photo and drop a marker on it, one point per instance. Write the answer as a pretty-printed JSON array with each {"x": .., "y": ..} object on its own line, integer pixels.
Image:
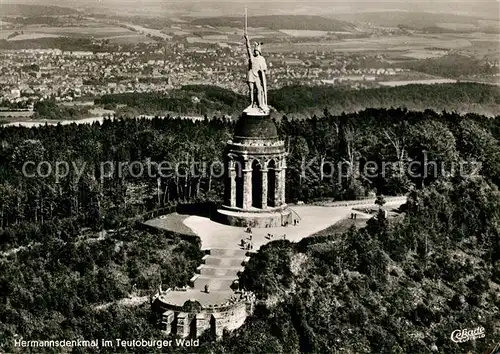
[
  {"x": 36, "y": 32},
  {"x": 84, "y": 31},
  {"x": 202, "y": 40},
  {"x": 28, "y": 36},
  {"x": 457, "y": 26},
  {"x": 178, "y": 33},
  {"x": 419, "y": 82},
  {"x": 420, "y": 20},
  {"x": 133, "y": 38},
  {"x": 15, "y": 114},
  {"x": 489, "y": 23},
  {"x": 235, "y": 33},
  {"x": 145, "y": 31},
  {"x": 395, "y": 43},
  {"x": 424, "y": 54},
  {"x": 4, "y": 34},
  {"x": 304, "y": 33}
]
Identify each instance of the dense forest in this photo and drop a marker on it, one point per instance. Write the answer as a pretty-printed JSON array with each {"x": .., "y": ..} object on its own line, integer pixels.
[
  {"x": 399, "y": 286},
  {"x": 453, "y": 66},
  {"x": 280, "y": 22},
  {"x": 49, "y": 109},
  {"x": 113, "y": 171},
  {"x": 304, "y": 101},
  {"x": 65, "y": 284},
  {"x": 68, "y": 245}
]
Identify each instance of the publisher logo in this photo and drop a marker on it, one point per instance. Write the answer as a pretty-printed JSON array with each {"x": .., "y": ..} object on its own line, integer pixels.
[
  {"x": 495, "y": 350},
  {"x": 465, "y": 335}
]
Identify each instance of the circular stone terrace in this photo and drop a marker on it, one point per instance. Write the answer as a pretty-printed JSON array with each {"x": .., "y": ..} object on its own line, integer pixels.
[{"x": 226, "y": 257}]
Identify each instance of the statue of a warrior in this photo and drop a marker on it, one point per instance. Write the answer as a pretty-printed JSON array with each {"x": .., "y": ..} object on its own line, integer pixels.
[{"x": 256, "y": 77}]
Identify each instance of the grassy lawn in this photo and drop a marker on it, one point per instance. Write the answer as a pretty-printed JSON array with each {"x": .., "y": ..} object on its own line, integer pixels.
[
  {"x": 172, "y": 222},
  {"x": 341, "y": 227}
]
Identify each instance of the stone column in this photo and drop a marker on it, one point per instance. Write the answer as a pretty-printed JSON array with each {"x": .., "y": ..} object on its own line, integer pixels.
[
  {"x": 247, "y": 185},
  {"x": 283, "y": 183},
  {"x": 277, "y": 187},
  {"x": 201, "y": 324},
  {"x": 232, "y": 185},
  {"x": 183, "y": 325},
  {"x": 264, "y": 188},
  {"x": 167, "y": 320},
  {"x": 217, "y": 322}
]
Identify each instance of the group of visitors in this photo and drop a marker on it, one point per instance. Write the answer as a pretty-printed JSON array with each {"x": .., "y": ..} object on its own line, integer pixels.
[
  {"x": 247, "y": 245},
  {"x": 295, "y": 223},
  {"x": 271, "y": 236}
]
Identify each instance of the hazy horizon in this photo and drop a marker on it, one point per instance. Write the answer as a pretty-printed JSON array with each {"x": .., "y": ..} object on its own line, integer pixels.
[{"x": 160, "y": 8}]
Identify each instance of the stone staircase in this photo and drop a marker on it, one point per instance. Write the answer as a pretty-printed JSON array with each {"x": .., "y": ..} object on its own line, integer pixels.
[
  {"x": 223, "y": 307},
  {"x": 215, "y": 283},
  {"x": 225, "y": 253},
  {"x": 220, "y": 269},
  {"x": 224, "y": 262}
]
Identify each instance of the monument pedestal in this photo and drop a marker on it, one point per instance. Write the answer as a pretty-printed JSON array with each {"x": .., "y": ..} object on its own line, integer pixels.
[
  {"x": 255, "y": 178},
  {"x": 255, "y": 218}
]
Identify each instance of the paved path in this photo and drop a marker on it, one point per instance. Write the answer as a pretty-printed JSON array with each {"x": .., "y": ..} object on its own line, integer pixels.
[{"x": 227, "y": 257}]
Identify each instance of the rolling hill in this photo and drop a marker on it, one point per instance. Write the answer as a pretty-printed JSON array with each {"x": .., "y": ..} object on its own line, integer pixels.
[
  {"x": 420, "y": 20},
  {"x": 277, "y": 22},
  {"x": 34, "y": 10}
]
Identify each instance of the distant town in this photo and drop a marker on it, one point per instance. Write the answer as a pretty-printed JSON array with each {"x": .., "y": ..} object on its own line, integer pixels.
[{"x": 154, "y": 60}]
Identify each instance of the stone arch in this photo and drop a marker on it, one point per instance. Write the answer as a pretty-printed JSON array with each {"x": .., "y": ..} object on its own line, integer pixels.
[
  {"x": 272, "y": 165},
  {"x": 192, "y": 306},
  {"x": 213, "y": 326},
  {"x": 193, "y": 330},
  {"x": 239, "y": 166},
  {"x": 256, "y": 183}
]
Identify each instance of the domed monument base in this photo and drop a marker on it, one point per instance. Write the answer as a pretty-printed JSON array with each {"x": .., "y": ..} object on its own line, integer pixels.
[
  {"x": 255, "y": 179},
  {"x": 256, "y": 218}
]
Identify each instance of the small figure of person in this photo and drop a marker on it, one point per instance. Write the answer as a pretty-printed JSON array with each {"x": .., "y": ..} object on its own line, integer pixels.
[{"x": 207, "y": 289}]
